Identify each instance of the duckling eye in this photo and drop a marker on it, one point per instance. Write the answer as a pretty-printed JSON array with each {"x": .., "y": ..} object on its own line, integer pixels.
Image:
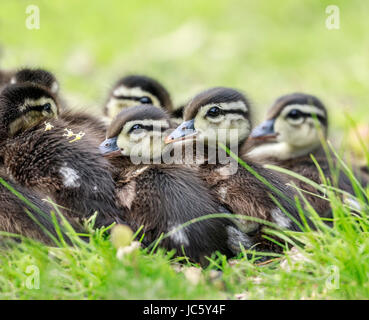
[
  {"x": 213, "y": 112},
  {"x": 145, "y": 100},
  {"x": 135, "y": 127},
  {"x": 46, "y": 107},
  {"x": 294, "y": 114}
]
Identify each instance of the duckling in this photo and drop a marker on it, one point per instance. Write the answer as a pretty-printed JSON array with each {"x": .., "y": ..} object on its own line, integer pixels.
[
  {"x": 135, "y": 90},
  {"x": 295, "y": 126},
  {"x": 38, "y": 154},
  {"x": 162, "y": 196},
  {"x": 210, "y": 118}
]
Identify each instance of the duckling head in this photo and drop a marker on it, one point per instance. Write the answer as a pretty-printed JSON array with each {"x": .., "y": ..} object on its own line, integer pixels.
[
  {"x": 137, "y": 132},
  {"x": 215, "y": 115},
  {"x": 25, "y": 105},
  {"x": 36, "y": 76},
  {"x": 136, "y": 90},
  {"x": 295, "y": 126}
]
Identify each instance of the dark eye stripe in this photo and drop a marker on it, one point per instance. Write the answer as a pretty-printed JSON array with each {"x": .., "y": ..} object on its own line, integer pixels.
[
  {"x": 236, "y": 111},
  {"x": 152, "y": 128},
  {"x": 34, "y": 108},
  {"x": 161, "y": 129},
  {"x": 310, "y": 115},
  {"x": 128, "y": 98}
]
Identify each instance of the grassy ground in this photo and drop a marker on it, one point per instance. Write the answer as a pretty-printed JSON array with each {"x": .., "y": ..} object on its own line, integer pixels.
[
  {"x": 266, "y": 48},
  {"x": 329, "y": 263}
]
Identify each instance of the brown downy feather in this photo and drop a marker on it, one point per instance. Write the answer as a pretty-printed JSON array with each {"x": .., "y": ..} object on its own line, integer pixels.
[
  {"x": 162, "y": 197},
  {"x": 81, "y": 121}
]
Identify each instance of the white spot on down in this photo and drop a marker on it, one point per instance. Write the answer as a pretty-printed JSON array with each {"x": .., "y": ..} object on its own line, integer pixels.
[
  {"x": 280, "y": 218},
  {"x": 70, "y": 177},
  {"x": 236, "y": 238},
  {"x": 223, "y": 193},
  {"x": 179, "y": 236},
  {"x": 224, "y": 171},
  {"x": 128, "y": 194}
]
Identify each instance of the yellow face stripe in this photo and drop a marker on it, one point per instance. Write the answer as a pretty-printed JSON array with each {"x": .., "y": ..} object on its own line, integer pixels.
[
  {"x": 31, "y": 118},
  {"x": 218, "y": 128},
  {"x": 116, "y": 104}
]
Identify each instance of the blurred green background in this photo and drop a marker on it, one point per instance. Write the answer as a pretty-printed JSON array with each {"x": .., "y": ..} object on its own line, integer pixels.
[{"x": 266, "y": 48}]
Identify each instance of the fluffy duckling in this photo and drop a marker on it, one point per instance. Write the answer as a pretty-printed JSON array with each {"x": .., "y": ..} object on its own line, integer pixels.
[
  {"x": 210, "y": 118},
  {"x": 295, "y": 126},
  {"x": 136, "y": 90},
  {"x": 161, "y": 196},
  {"x": 40, "y": 152}
]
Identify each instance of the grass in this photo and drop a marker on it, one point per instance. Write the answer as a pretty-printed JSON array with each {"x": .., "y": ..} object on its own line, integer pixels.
[
  {"x": 326, "y": 263},
  {"x": 331, "y": 265},
  {"x": 266, "y": 48}
]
